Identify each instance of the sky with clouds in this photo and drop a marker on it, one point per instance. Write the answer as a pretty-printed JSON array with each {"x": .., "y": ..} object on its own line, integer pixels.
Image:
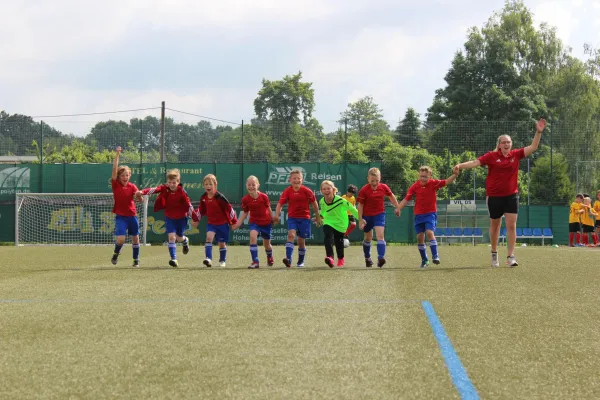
[{"x": 209, "y": 57}]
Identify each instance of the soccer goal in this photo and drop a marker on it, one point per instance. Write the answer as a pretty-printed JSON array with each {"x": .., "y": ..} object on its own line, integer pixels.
[{"x": 70, "y": 219}]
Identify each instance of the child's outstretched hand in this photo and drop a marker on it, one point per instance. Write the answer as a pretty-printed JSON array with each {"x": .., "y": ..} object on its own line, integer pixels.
[{"x": 118, "y": 149}]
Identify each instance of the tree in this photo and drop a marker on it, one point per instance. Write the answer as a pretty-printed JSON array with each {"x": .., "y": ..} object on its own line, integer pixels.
[
  {"x": 110, "y": 134},
  {"x": 502, "y": 73},
  {"x": 284, "y": 100},
  {"x": 77, "y": 152},
  {"x": 365, "y": 117},
  {"x": 17, "y": 132},
  {"x": 408, "y": 129},
  {"x": 551, "y": 185}
]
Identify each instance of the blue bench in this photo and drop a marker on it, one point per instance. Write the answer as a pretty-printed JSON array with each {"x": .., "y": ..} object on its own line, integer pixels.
[
  {"x": 529, "y": 233},
  {"x": 459, "y": 233}
]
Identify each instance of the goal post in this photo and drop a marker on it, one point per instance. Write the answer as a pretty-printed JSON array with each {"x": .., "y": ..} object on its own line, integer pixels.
[{"x": 70, "y": 219}]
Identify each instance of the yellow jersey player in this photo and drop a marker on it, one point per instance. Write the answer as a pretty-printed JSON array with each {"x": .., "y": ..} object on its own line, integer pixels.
[
  {"x": 575, "y": 212},
  {"x": 350, "y": 193}
]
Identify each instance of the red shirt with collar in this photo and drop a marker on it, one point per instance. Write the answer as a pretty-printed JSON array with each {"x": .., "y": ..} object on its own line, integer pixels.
[
  {"x": 425, "y": 195},
  {"x": 373, "y": 200},
  {"x": 503, "y": 172},
  {"x": 259, "y": 209},
  {"x": 123, "y": 195}
]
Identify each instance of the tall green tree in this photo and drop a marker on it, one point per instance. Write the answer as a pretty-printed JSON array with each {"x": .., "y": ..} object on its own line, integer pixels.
[
  {"x": 288, "y": 100},
  {"x": 502, "y": 71},
  {"x": 550, "y": 181},
  {"x": 408, "y": 129},
  {"x": 365, "y": 117}
]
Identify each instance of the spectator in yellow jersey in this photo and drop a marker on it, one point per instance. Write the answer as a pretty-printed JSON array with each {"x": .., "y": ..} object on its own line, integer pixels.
[
  {"x": 597, "y": 209},
  {"x": 575, "y": 212},
  {"x": 350, "y": 193},
  {"x": 587, "y": 222}
]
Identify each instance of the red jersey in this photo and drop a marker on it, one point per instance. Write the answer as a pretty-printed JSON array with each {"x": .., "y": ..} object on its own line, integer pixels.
[
  {"x": 123, "y": 194},
  {"x": 217, "y": 210},
  {"x": 176, "y": 204},
  {"x": 298, "y": 202},
  {"x": 259, "y": 209},
  {"x": 503, "y": 172},
  {"x": 425, "y": 195},
  {"x": 373, "y": 201}
]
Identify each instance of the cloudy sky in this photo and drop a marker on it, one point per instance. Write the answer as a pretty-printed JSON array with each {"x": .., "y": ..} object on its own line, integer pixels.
[{"x": 209, "y": 57}]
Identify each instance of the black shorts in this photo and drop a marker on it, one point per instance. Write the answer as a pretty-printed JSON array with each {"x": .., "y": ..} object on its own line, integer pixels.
[
  {"x": 500, "y": 205},
  {"x": 598, "y": 223},
  {"x": 587, "y": 228},
  {"x": 574, "y": 227},
  {"x": 351, "y": 218}
]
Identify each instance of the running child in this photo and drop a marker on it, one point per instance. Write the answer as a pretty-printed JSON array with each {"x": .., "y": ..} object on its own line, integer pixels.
[
  {"x": 173, "y": 198},
  {"x": 371, "y": 214},
  {"x": 299, "y": 198},
  {"x": 220, "y": 217},
  {"x": 350, "y": 193},
  {"x": 334, "y": 211},
  {"x": 425, "y": 192},
  {"x": 126, "y": 221},
  {"x": 257, "y": 204}
]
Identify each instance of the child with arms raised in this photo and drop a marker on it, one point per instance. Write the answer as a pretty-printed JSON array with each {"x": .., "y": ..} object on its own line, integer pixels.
[{"x": 126, "y": 221}]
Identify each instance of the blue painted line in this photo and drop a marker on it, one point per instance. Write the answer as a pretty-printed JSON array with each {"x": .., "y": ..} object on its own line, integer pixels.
[{"x": 458, "y": 373}]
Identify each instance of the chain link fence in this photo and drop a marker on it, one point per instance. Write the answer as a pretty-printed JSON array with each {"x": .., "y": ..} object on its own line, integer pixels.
[{"x": 567, "y": 161}]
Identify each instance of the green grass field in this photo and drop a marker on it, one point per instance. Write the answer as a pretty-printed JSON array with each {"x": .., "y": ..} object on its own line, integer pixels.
[{"x": 74, "y": 326}]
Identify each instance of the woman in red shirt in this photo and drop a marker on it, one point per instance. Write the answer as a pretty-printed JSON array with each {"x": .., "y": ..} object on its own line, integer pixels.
[{"x": 502, "y": 192}]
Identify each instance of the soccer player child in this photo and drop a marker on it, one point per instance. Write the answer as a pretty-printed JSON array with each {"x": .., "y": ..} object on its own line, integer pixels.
[
  {"x": 334, "y": 210},
  {"x": 126, "y": 221},
  {"x": 587, "y": 222},
  {"x": 350, "y": 193},
  {"x": 575, "y": 212},
  {"x": 597, "y": 209},
  {"x": 371, "y": 214},
  {"x": 424, "y": 190},
  {"x": 220, "y": 217},
  {"x": 298, "y": 197},
  {"x": 177, "y": 205},
  {"x": 261, "y": 220}
]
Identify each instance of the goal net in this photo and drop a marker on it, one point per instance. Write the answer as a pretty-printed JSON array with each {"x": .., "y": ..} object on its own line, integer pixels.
[{"x": 70, "y": 219}]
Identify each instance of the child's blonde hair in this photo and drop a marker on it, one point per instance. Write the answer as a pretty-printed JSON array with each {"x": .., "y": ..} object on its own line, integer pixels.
[
  {"x": 254, "y": 178},
  {"x": 335, "y": 190},
  {"x": 426, "y": 168},
  {"x": 123, "y": 168},
  {"x": 173, "y": 174},
  {"x": 374, "y": 171},
  {"x": 587, "y": 200},
  {"x": 211, "y": 178},
  {"x": 296, "y": 171}
]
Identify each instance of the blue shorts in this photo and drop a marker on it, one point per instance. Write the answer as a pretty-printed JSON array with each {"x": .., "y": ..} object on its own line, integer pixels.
[
  {"x": 263, "y": 230},
  {"x": 125, "y": 225},
  {"x": 374, "y": 220},
  {"x": 300, "y": 225},
  {"x": 425, "y": 222},
  {"x": 176, "y": 225},
  {"x": 221, "y": 232}
]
